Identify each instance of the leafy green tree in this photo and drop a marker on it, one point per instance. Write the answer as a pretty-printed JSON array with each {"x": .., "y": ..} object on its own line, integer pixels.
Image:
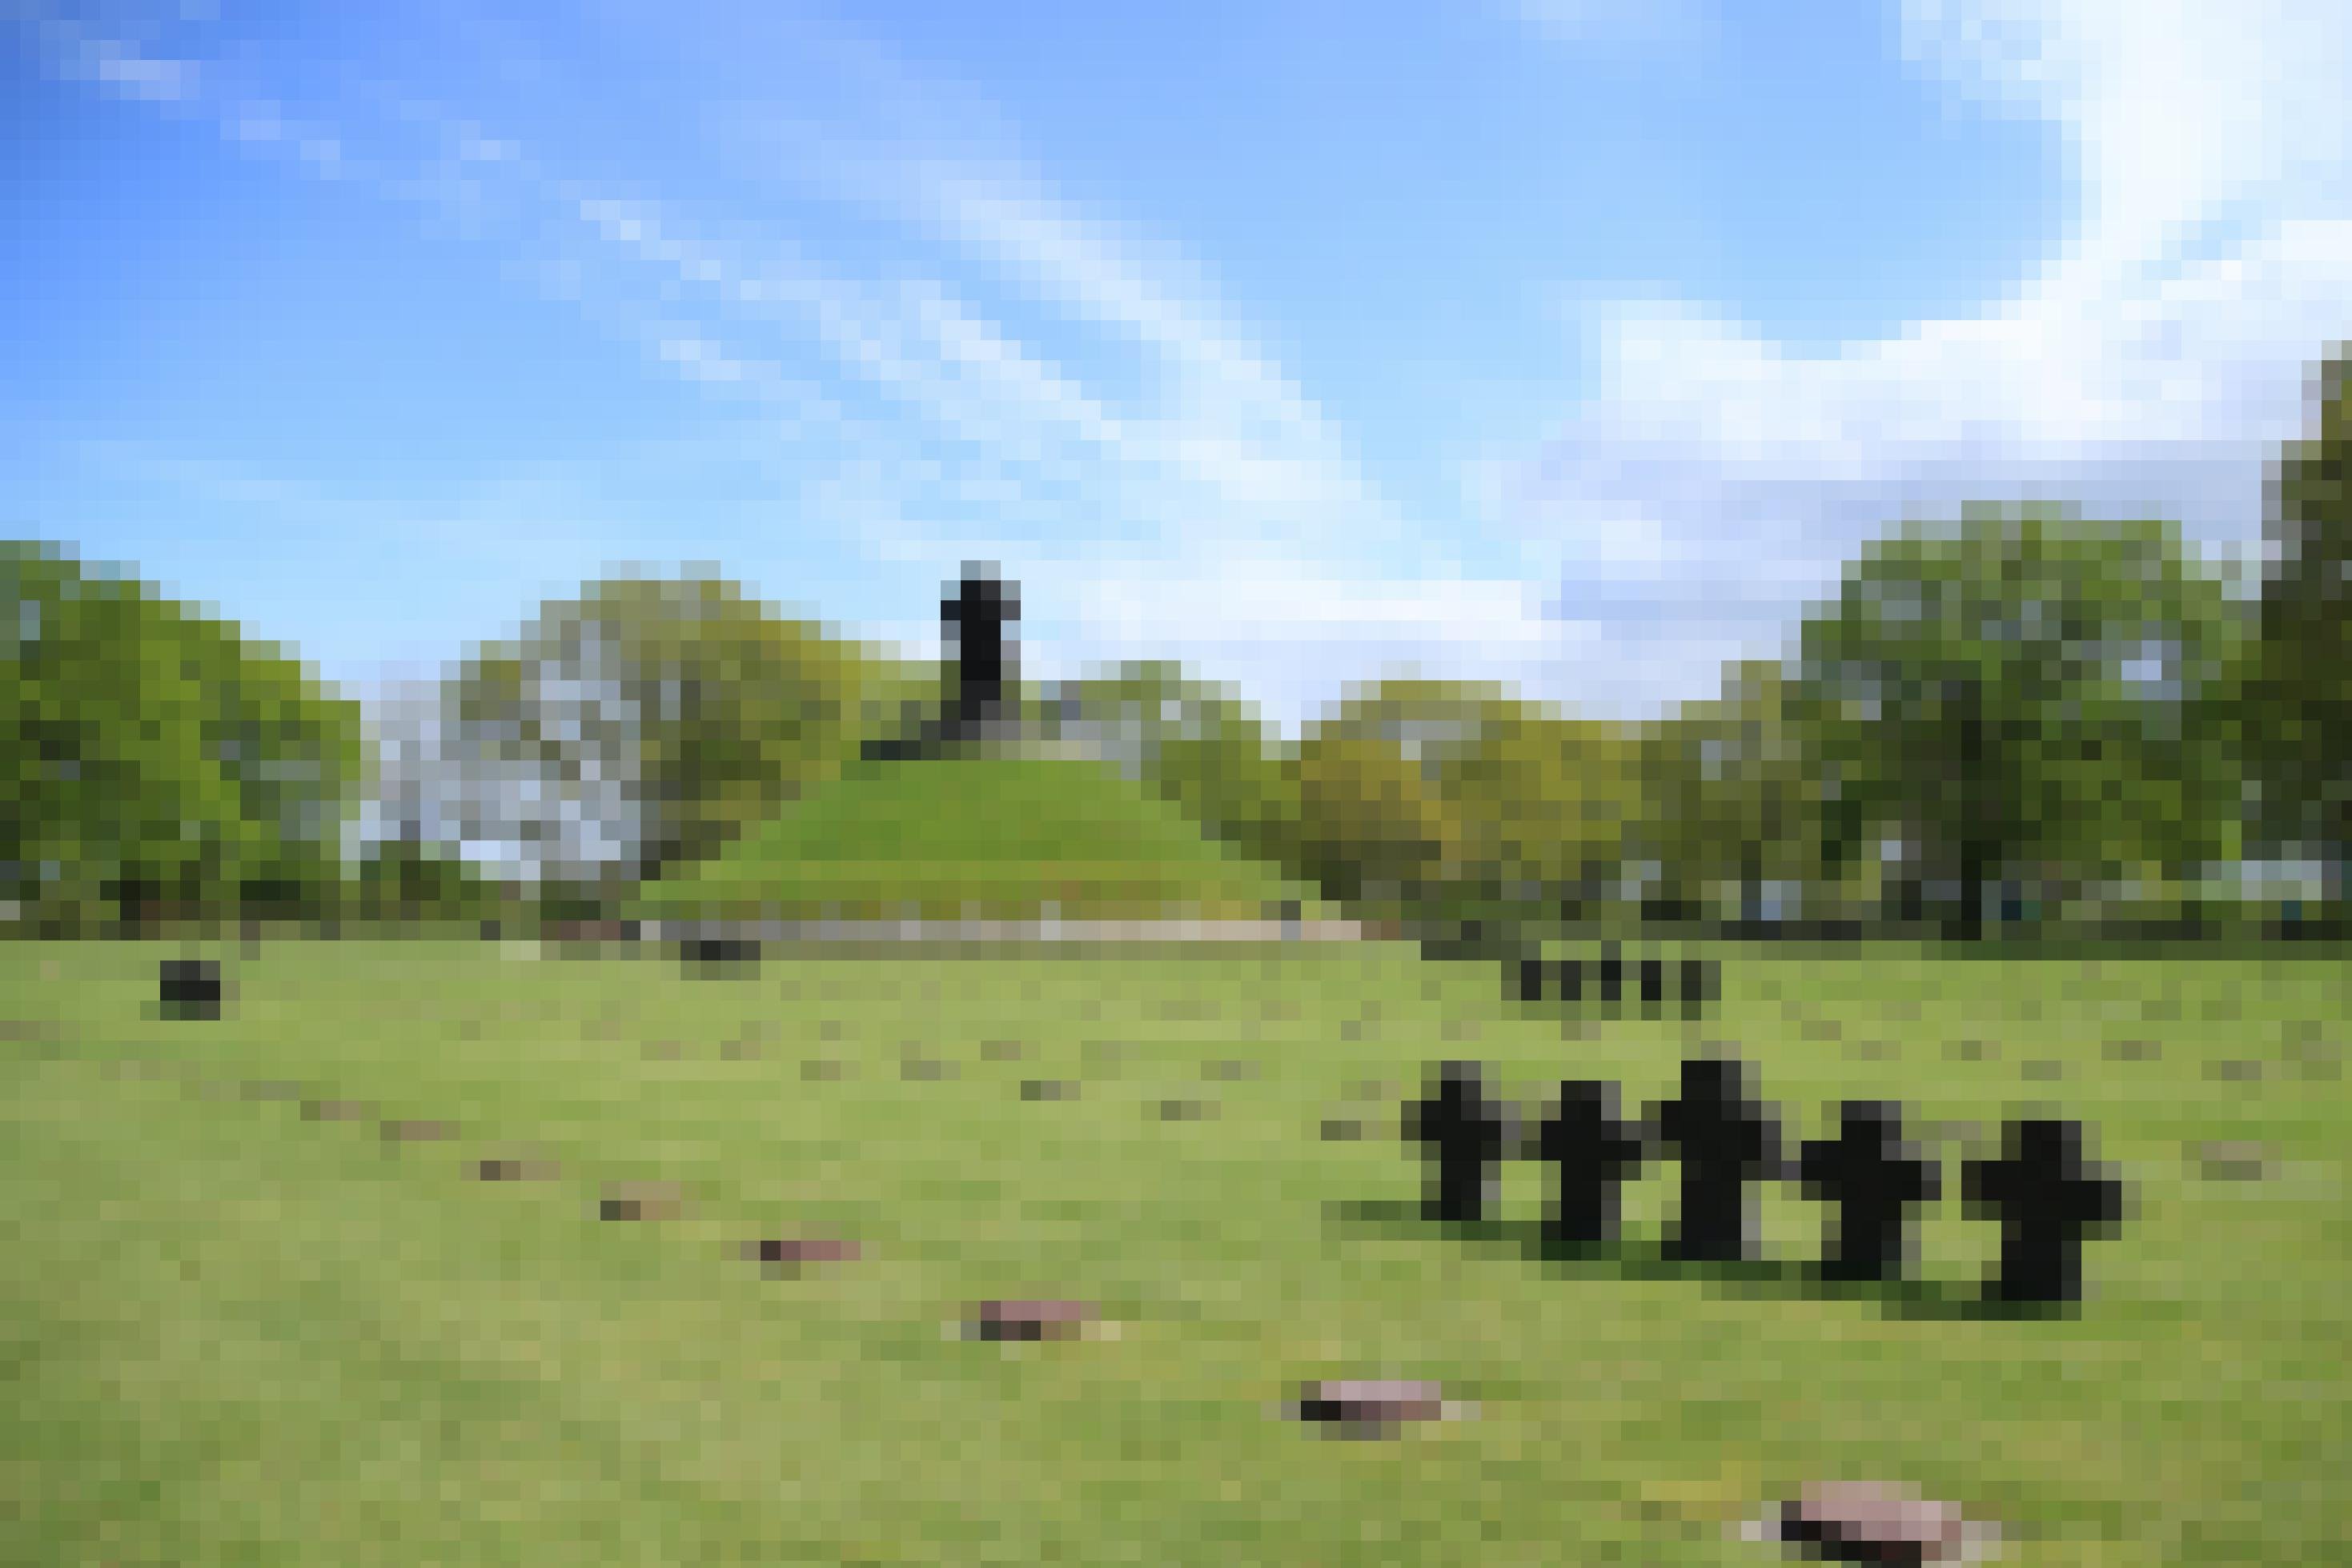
[
  {"x": 648, "y": 721},
  {"x": 1544, "y": 803},
  {"x": 2299, "y": 715},
  {"x": 2022, "y": 697},
  {"x": 155, "y": 763},
  {"x": 1195, "y": 744},
  {"x": 1736, "y": 808}
]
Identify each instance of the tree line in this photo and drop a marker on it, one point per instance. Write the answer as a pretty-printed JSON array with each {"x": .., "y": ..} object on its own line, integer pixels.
[{"x": 2015, "y": 720}]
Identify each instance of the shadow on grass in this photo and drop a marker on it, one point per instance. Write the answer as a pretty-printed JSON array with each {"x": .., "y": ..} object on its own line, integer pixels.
[{"x": 1631, "y": 1258}]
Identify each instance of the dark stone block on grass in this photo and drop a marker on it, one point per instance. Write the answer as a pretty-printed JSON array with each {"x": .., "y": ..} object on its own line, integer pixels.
[
  {"x": 189, "y": 989},
  {"x": 1048, "y": 1088},
  {"x": 1342, "y": 1130},
  {"x": 1368, "y": 1407},
  {"x": 1230, "y": 1071},
  {"x": 2235, "y": 1072},
  {"x": 1001, "y": 1050},
  {"x": 2131, "y": 1050},
  {"x": 824, "y": 1070},
  {"x": 1029, "y": 1322},
  {"x": 925, "y": 1069},
  {"x": 338, "y": 1111},
  {"x": 1186, "y": 1110}
]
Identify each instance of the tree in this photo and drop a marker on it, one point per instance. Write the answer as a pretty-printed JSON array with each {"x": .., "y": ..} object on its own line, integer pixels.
[
  {"x": 2022, "y": 698},
  {"x": 154, "y": 761},
  {"x": 1194, "y": 744},
  {"x": 647, "y": 722},
  {"x": 1544, "y": 803},
  {"x": 2299, "y": 715},
  {"x": 1736, "y": 805}
]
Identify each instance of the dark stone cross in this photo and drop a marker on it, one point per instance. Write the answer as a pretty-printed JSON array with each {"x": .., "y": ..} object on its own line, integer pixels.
[
  {"x": 974, "y": 621},
  {"x": 2048, "y": 1202},
  {"x": 1723, "y": 1141},
  {"x": 189, "y": 988},
  {"x": 1592, "y": 1154},
  {"x": 1550, "y": 979},
  {"x": 1463, "y": 1134},
  {"x": 1613, "y": 975},
  {"x": 1875, "y": 1178}
]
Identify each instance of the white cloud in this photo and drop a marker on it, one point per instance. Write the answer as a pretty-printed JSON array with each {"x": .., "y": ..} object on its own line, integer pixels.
[{"x": 2151, "y": 364}]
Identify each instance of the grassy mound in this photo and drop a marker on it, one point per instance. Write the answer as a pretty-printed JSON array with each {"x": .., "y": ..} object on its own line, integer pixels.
[{"x": 991, "y": 837}]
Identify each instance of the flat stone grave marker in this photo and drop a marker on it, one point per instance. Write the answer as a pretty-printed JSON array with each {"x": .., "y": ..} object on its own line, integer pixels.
[
  {"x": 2131, "y": 1050},
  {"x": 793, "y": 1253},
  {"x": 1029, "y": 1322},
  {"x": 515, "y": 1170},
  {"x": 1000, "y": 1050},
  {"x": 641, "y": 1200},
  {"x": 2235, "y": 1072},
  {"x": 824, "y": 1070},
  {"x": 1342, "y": 1130},
  {"x": 1875, "y": 1522},
  {"x": 1187, "y": 1110},
  {"x": 1040, "y": 1089},
  {"x": 915, "y": 1068},
  {"x": 1231, "y": 1069},
  {"x": 270, "y": 1089},
  {"x": 2233, "y": 1161},
  {"x": 337, "y": 1110},
  {"x": 1370, "y": 1408}
]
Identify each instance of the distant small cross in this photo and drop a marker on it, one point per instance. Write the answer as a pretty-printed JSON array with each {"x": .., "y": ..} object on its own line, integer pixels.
[
  {"x": 1875, "y": 1178},
  {"x": 1723, "y": 1141},
  {"x": 2048, "y": 1202},
  {"x": 1592, "y": 1154},
  {"x": 1463, "y": 1134}
]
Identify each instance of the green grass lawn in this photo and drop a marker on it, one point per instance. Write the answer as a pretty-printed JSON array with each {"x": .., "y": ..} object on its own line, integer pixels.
[
  {"x": 997, "y": 836},
  {"x": 237, "y": 1334}
]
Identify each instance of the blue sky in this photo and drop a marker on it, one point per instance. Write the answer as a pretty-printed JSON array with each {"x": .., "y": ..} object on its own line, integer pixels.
[{"x": 1572, "y": 343}]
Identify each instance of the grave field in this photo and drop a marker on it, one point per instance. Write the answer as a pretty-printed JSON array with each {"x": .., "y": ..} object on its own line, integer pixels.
[{"x": 435, "y": 1253}]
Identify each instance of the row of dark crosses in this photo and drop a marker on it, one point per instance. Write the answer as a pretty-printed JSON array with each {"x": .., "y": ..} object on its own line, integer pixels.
[
  {"x": 1690, "y": 983},
  {"x": 2047, "y": 1200}
]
